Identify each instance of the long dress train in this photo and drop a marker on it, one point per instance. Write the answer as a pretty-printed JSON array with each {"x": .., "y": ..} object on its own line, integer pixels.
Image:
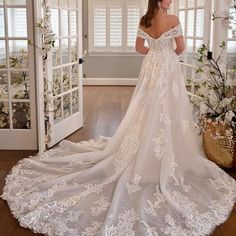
[{"x": 151, "y": 178}]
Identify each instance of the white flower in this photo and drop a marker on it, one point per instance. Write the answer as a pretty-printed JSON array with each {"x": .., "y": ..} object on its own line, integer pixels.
[{"x": 229, "y": 116}]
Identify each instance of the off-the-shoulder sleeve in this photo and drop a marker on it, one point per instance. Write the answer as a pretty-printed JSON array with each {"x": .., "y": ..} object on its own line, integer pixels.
[
  {"x": 177, "y": 31},
  {"x": 140, "y": 33}
]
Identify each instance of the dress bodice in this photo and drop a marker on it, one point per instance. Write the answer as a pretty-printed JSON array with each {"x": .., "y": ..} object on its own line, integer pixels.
[{"x": 163, "y": 42}]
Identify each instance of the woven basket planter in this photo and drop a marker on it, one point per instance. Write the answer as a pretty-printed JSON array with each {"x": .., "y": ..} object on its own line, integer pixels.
[{"x": 219, "y": 149}]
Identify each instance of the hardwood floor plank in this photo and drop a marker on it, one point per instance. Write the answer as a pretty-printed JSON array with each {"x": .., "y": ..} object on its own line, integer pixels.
[{"x": 104, "y": 109}]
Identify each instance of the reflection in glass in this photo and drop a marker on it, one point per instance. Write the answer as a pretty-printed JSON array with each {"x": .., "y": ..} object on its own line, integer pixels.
[
  {"x": 64, "y": 22},
  {"x": 200, "y": 23},
  {"x": 200, "y": 3},
  {"x": 16, "y": 2},
  {"x": 56, "y": 82},
  {"x": 74, "y": 50},
  {"x": 18, "y": 54},
  {"x": 56, "y": 56},
  {"x": 231, "y": 47},
  {"x": 182, "y": 20},
  {"x": 2, "y": 23},
  {"x": 73, "y": 23},
  {"x": 17, "y": 22},
  {"x": 54, "y": 21},
  {"x": 65, "y": 51},
  {"x": 66, "y": 78},
  {"x": 182, "y": 4},
  {"x": 21, "y": 115},
  {"x": 190, "y": 22},
  {"x": 57, "y": 115},
  {"x": 73, "y": 4},
  {"x": 190, "y": 3},
  {"x": 20, "y": 85},
  {"x": 75, "y": 101},
  {"x": 53, "y": 3},
  {"x": 66, "y": 105},
  {"x": 233, "y": 15},
  {"x": 4, "y": 115},
  {"x": 3, "y": 62},
  {"x": 3, "y": 85},
  {"x": 74, "y": 76},
  {"x": 64, "y": 3}
]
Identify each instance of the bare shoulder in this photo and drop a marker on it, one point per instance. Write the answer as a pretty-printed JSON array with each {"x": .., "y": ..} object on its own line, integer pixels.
[{"x": 174, "y": 20}]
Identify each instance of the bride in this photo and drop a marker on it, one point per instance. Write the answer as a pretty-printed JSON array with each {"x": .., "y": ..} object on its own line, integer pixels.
[{"x": 151, "y": 178}]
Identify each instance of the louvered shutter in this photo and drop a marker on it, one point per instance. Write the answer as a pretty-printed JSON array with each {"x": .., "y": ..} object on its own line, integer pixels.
[
  {"x": 99, "y": 25},
  {"x": 115, "y": 25}
]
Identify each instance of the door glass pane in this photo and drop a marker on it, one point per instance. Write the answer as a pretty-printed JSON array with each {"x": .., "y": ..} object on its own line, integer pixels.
[
  {"x": 16, "y": 2},
  {"x": 18, "y": 52},
  {"x": 53, "y": 3},
  {"x": 1, "y": 2},
  {"x": 66, "y": 105},
  {"x": 21, "y": 115},
  {"x": 3, "y": 85},
  {"x": 73, "y": 23},
  {"x": 54, "y": 21},
  {"x": 74, "y": 76},
  {"x": 200, "y": 3},
  {"x": 233, "y": 15},
  {"x": 66, "y": 78},
  {"x": 182, "y": 4},
  {"x": 56, "y": 82},
  {"x": 20, "y": 85},
  {"x": 65, "y": 51},
  {"x": 2, "y": 23},
  {"x": 4, "y": 115},
  {"x": 190, "y": 3},
  {"x": 231, "y": 47},
  {"x": 190, "y": 23},
  {"x": 73, "y": 4},
  {"x": 17, "y": 25},
  {"x": 63, "y": 3},
  {"x": 64, "y": 22},
  {"x": 200, "y": 23},
  {"x": 57, "y": 110},
  {"x": 75, "y": 101},
  {"x": 182, "y": 20},
  {"x": 3, "y": 62},
  {"x": 74, "y": 50},
  {"x": 189, "y": 51},
  {"x": 56, "y": 56}
]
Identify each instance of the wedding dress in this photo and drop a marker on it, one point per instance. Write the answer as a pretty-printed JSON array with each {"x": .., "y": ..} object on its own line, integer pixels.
[{"x": 151, "y": 178}]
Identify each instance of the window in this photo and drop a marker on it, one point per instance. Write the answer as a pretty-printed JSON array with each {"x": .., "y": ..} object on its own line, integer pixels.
[
  {"x": 113, "y": 24},
  {"x": 192, "y": 15}
]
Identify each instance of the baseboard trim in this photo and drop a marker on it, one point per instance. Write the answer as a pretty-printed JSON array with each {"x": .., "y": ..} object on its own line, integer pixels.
[{"x": 110, "y": 81}]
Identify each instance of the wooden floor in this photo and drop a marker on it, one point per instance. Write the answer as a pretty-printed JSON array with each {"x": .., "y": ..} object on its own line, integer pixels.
[{"x": 104, "y": 108}]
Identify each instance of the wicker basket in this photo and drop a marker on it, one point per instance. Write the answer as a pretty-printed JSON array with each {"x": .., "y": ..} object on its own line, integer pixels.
[{"x": 221, "y": 150}]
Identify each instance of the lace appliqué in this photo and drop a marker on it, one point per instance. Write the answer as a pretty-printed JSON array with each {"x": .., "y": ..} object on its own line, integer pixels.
[
  {"x": 140, "y": 34},
  {"x": 134, "y": 187},
  {"x": 151, "y": 231},
  {"x": 92, "y": 229},
  {"x": 151, "y": 209},
  {"x": 101, "y": 205},
  {"x": 175, "y": 90},
  {"x": 160, "y": 144},
  {"x": 125, "y": 224}
]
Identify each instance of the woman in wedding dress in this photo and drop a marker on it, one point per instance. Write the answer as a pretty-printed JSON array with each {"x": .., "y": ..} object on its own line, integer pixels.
[{"x": 151, "y": 178}]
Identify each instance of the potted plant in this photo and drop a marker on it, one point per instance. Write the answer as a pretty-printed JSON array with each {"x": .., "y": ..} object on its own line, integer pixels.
[{"x": 215, "y": 99}]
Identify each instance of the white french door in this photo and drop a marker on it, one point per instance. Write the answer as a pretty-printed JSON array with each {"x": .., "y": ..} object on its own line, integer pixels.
[
  {"x": 64, "y": 72},
  {"x": 17, "y": 78}
]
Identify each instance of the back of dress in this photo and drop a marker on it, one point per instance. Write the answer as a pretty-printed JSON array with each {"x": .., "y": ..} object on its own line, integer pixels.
[{"x": 163, "y": 42}]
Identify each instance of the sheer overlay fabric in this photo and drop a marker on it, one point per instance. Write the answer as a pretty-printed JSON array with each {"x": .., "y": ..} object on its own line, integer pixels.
[{"x": 150, "y": 178}]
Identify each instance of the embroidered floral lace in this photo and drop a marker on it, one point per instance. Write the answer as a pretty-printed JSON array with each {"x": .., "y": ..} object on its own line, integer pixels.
[{"x": 151, "y": 178}]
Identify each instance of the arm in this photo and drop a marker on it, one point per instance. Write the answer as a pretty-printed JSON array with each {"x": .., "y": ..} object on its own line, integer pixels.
[{"x": 139, "y": 46}]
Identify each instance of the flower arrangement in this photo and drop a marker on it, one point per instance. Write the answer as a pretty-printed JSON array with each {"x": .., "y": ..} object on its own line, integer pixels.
[{"x": 215, "y": 94}]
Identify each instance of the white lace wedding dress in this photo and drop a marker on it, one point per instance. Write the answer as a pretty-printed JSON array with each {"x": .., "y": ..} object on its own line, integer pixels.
[{"x": 150, "y": 179}]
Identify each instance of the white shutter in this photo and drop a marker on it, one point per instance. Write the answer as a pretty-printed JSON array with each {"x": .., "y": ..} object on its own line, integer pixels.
[
  {"x": 113, "y": 24},
  {"x": 99, "y": 26},
  {"x": 116, "y": 26},
  {"x": 2, "y": 28},
  {"x": 133, "y": 17}
]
